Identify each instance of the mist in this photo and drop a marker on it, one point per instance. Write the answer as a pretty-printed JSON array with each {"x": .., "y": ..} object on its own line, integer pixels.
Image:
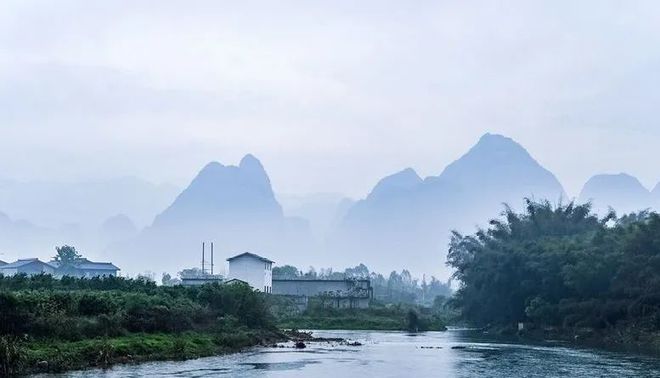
[{"x": 110, "y": 111}]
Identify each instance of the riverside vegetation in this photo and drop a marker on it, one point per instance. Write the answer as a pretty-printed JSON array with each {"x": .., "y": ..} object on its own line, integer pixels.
[
  {"x": 54, "y": 325},
  {"x": 563, "y": 272},
  {"x": 379, "y": 316}
]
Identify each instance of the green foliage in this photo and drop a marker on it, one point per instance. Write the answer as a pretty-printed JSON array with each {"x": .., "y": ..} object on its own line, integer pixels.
[
  {"x": 66, "y": 256},
  {"x": 73, "y": 312},
  {"x": 412, "y": 323},
  {"x": 60, "y": 355},
  {"x": 560, "y": 266},
  {"x": 286, "y": 272},
  {"x": 12, "y": 355},
  {"x": 74, "y": 309},
  {"x": 377, "y": 317}
]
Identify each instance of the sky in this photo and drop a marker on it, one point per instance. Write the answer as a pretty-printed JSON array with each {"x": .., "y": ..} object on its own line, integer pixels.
[{"x": 330, "y": 95}]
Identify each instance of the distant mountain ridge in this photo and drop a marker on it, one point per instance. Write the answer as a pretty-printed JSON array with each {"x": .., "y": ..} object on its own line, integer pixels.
[
  {"x": 621, "y": 192},
  {"x": 407, "y": 219},
  {"x": 224, "y": 193},
  {"x": 404, "y": 222},
  {"x": 232, "y": 206}
]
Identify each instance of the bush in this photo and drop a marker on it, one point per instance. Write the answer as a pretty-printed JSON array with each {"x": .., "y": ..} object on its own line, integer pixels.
[{"x": 12, "y": 355}]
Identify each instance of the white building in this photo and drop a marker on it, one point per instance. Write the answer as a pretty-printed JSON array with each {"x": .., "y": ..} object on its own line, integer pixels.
[{"x": 253, "y": 269}]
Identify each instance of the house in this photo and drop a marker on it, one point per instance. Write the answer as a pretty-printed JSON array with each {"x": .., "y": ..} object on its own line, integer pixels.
[
  {"x": 347, "y": 293},
  {"x": 31, "y": 267},
  {"x": 83, "y": 268},
  {"x": 253, "y": 269}
]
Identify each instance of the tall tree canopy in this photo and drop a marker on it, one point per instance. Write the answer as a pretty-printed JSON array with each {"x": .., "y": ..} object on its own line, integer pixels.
[{"x": 562, "y": 266}]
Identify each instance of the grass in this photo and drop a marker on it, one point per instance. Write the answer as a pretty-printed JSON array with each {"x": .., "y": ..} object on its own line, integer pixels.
[
  {"x": 60, "y": 356},
  {"x": 375, "y": 318}
]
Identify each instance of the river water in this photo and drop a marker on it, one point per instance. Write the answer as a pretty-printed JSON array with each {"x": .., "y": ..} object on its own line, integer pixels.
[{"x": 455, "y": 353}]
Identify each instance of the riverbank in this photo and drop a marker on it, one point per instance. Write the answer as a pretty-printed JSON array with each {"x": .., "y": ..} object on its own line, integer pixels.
[
  {"x": 455, "y": 353},
  {"x": 53, "y": 325},
  {"x": 61, "y": 356},
  {"x": 375, "y": 319},
  {"x": 629, "y": 339}
]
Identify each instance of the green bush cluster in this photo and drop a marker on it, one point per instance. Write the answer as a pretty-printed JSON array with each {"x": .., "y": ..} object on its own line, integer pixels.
[
  {"x": 377, "y": 317},
  {"x": 76, "y": 309},
  {"x": 49, "y": 324}
]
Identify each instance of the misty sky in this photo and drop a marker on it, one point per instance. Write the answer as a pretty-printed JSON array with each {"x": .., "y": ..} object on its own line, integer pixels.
[{"x": 331, "y": 95}]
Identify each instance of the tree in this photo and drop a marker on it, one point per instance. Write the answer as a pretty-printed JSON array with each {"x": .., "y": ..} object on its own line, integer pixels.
[
  {"x": 66, "y": 257},
  {"x": 167, "y": 280},
  {"x": 285, "y": 272}
]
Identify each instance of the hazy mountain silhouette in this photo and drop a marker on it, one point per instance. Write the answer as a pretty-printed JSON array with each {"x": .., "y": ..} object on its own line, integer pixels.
[
  {"x": 655, "y": 193},
  {"x": 86, "y": 203},
  {"x": 621, "y": 192},
  {"x": 116, "y": 229},
  {"x": 405, "y": 221},
  {"x": 320, "y": 209},
  {"x": 224, "y": 193},
  {"x": 20, "y": 237},
  {"x": 233, "y": 206}
]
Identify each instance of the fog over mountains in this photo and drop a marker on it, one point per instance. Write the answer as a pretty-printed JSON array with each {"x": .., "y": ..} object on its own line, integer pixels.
[
  {"x": 404, "y": 222},
  {"x": 232, "y": 206},
  {"x": 620, "y": 192},
  {"x": 407, "y": 219}
]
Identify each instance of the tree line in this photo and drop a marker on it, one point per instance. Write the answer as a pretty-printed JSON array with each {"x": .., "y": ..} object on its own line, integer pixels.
[{"x": 560, "y": 266}]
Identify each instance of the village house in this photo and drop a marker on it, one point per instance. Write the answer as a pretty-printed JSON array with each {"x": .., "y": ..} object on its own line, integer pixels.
[
  {"x": 253, "y": 269},
  {"x": 81, "y": 268},
  {"x": 84, "y": 268},
  {"x": 30, "y": 267}
]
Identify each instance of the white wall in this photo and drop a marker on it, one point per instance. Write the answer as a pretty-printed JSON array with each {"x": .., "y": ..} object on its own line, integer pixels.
[{"x": 254, "y": 271}]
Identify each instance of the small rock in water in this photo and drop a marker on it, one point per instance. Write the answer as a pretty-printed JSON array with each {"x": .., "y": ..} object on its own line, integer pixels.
[
  {"x": 458, "y": 347},
  {"x": 300, "y": 345}
]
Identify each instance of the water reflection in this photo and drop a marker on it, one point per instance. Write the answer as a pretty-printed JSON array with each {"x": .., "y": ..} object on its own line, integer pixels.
[{"x": 455, "y": 353}]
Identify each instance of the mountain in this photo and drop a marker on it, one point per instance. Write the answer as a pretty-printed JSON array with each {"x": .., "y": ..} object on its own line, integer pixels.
[
  {"x": 405, "y": 220},
  {"x": 116, "y": 229},
  {"x": 20, "y": 238},
  {"x": 496, "y": 166},
  {"x": 232, "y": 206},
  {"x": 621, "y": 192},
  {"x": 86, "y": 203},
  {"x": 320, "y": 209},
  {"x": 224, "y": 193}
]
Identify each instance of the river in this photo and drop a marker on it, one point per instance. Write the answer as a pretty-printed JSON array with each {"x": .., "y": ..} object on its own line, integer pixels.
[{"x": 455, "y": 353}]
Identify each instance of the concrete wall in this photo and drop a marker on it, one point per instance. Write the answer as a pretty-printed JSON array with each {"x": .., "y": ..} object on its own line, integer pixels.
[
  {"x": 255, "y": 272},
  {"x": 334, "y": 293},
  {"x": 308, "y": 288}
]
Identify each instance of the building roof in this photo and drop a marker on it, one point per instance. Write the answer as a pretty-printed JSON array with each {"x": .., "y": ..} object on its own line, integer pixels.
[
  {"x": 249, "y": 254},
  {"x": 234, "y": 281},
  {"x": 22, "y": 262},
  {"x": 84, "y": 264}
]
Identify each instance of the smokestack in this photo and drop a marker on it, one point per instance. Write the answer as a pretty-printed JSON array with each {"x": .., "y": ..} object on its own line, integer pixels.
[
  {"x": 211, "y": 258},
  {"x": 203, "y": 267}
]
